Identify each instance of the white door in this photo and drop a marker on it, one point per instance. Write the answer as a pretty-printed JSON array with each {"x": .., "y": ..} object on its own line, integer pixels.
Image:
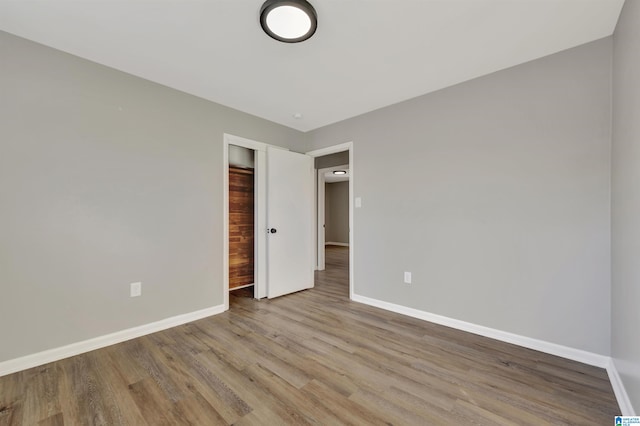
[{"x": 290, "y": 200}]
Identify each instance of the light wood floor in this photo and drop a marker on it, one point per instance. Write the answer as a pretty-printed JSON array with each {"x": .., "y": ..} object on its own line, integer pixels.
[{"x": 312, "y": 357}]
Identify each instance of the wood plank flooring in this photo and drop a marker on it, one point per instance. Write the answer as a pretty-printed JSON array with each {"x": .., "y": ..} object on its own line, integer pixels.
[{"x": 312, "y": 357}]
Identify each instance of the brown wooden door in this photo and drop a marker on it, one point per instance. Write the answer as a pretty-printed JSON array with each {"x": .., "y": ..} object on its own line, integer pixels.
[{"x": 241, "y": 227}]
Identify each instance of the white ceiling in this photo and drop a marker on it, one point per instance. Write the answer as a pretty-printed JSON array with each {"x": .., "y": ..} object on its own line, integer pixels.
[{"x": 366, "y": 54}]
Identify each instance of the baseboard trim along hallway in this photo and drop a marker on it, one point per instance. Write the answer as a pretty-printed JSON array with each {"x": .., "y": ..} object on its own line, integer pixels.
[
  {"x": 56, "y": 354},
  {"x": 332, "y": 243}
]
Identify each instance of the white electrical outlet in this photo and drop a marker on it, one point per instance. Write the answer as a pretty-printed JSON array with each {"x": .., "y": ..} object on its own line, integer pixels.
[
  {"x": 407, "y": 277},
  {"x": 135, "y": 289}
]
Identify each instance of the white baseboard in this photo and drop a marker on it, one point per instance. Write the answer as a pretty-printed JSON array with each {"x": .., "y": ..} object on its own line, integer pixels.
[
  {"x": 579, "y": 355},
  {"x": 618, "y": 388},
  {"x": 331, "y": 243},
  {"x": 56, "y": 354}
]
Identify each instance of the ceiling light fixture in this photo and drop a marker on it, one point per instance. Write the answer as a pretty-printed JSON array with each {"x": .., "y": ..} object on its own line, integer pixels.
[
  {"x": 339, "y": 172},
  {"x": 289, "y": 21}
]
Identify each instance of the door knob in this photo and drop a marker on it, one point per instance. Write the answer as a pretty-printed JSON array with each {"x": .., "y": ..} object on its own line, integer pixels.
[{"x": 273, "y": 230}]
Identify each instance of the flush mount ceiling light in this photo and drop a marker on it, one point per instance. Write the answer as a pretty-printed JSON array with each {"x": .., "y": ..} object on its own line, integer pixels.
[
  {"x": 340, "y": 172},
  {"x": 289, "y": 21}
]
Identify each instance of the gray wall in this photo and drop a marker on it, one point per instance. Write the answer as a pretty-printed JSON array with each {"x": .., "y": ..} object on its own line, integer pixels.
[
  {"x": 240, "y": 156},
  {"x": 336, "y": 217},
  {"x": 625, "y": 211},
  {"x": 495, "y": 194},
  {"x": 106, "y": 179},
  {"x": 331, "y": 160}
]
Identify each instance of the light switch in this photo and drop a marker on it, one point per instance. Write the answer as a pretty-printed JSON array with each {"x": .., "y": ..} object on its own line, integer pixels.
[{"x": 358, "y": 202}]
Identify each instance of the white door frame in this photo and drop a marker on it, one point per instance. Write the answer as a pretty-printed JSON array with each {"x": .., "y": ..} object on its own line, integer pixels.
[
  {"x": 320, "y": 216},
  {"x": 260, "y": 215},
  {"x": 347, "y": 146}
]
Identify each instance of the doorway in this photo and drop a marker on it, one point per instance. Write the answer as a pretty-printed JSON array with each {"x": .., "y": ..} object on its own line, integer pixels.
[
  {"x": 327, "y": 161},
  {"x": 241, "y": 219},
  {"x": 246, "y": 152},
  {"x": 332, "y": 204},
  {"x": 283, "y": 227}
]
